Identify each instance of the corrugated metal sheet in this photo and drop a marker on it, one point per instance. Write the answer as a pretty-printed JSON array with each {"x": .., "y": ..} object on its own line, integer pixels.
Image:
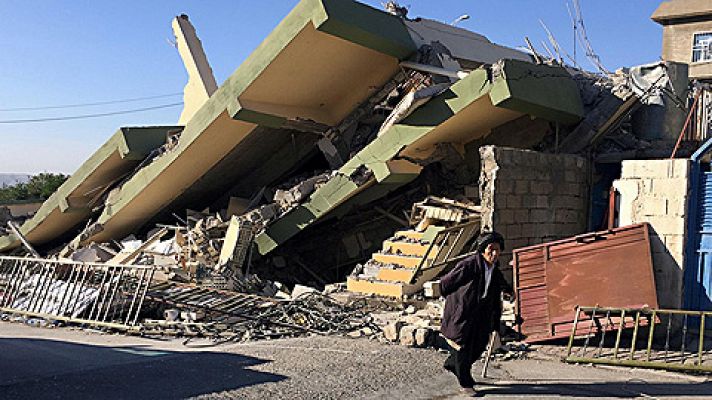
[{"x": 610, "y": 269}]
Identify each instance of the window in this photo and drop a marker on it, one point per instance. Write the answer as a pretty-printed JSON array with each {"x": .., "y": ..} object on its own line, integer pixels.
[{"x": 702, "y": 47}]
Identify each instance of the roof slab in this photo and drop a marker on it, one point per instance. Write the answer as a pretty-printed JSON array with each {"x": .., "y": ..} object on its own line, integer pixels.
[
  {"x": 72, "y": 203},
  {"x": 467, "y": 111}
]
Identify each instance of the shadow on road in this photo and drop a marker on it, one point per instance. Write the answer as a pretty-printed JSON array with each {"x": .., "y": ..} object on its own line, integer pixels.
[
  {"x": 41, "y": 369},
  {"x": 633, "y": 388}
]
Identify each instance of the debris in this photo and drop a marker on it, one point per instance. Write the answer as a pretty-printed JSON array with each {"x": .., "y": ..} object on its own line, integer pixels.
[
  {"x": 300, "y": 290},
  {"x": 407, "y": 335},
  {"x": 431, "y": 289},
  {"x": 22, "y": 239},
  {"x": 93, "y": 253},
  {"x": 127, "y": 258},
  {"x": 423, "y": 337},
  {"x": 392, "y": 331}
]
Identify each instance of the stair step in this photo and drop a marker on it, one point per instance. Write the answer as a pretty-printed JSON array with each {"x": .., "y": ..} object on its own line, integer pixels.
[
  {"x": 396, "y": 274},
  {"x": 403, "y": 261},
  {"x": 390, "y": 289},
  {"x": 406, "y": 248},
  {"x": 410, "y": 234}
]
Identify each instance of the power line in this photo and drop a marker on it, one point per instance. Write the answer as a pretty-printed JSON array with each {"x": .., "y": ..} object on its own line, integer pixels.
[
  {"x": 24, "y": 121},
  {"x": 98, "y": 103}
]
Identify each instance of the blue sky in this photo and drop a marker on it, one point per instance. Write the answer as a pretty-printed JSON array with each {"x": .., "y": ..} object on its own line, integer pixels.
[{"x": 82, "y": 51}]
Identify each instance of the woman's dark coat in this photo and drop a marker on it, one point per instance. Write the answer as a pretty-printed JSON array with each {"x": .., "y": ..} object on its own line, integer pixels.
[{"x": 467, "y": 315}]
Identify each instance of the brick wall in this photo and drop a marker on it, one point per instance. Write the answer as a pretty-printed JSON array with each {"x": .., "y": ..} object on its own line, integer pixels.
[
  {"x": 656, "y": 191},
  {"x": 532, "y": 197}
]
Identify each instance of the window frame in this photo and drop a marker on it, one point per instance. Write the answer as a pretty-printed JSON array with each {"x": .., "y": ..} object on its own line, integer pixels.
[{"x": 696, "y": 49}]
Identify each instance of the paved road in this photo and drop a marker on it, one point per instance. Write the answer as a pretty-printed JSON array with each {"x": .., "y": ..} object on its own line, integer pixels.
[{"x": 59, "y": 363}]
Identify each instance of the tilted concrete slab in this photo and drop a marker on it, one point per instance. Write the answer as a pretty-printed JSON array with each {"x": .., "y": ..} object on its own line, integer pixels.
[
  {"x": 321, "y": 61},
  {"x": 71, "y": 204},
  {"x": 467, "y": 111}
]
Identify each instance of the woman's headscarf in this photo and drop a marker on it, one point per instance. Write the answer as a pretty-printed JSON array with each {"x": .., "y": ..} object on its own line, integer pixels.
[{"x": 486, "y": 238}]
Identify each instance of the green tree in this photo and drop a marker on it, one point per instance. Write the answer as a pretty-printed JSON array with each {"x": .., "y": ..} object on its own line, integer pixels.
[{"x": 39, "y": 187}]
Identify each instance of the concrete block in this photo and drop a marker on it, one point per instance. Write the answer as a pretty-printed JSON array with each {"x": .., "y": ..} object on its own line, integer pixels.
[
  {"x": 543, "y": 175},
  {"x": 676, "y": 250},
  {"x": 514, "y": 201},
  {"x": 542, "y": 188},
  {"x": 677, "y": 206},
  {"x": 521, "y": 216},
  {"x": 505, "y": 217},
  {"x": 529, "y": 201},
  {"x": 680, "y": 168},
  {"x": 540, "y": 216},
  {"x": 548, "y": 229},
  {"x": 542, "y": 201},
  {"x": 667, "y": 225},
  {"x": 573, "y": 176},
  {"x": 568, "y": 202},
  {"x": 504, "y": 185},
  {"x": 407, "y": 335},
  {"x": 431, "y": 289},
  {"x": 513, "y": 231},
  {"x": 649, "y": 205},
  {"x": 666, "y": 186},
  {"x": 521, "y": 187},
  {"x": 565, "y": 216},
  {"x": 423, "y": 337},
  {"x": 392, "y": 331},
  {"x": 529, "y": 230},
  {"x": 646, "y": 168}
]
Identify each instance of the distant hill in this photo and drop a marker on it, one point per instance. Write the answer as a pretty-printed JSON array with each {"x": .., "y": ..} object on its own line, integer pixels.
[{"x": 11, "y": 179}]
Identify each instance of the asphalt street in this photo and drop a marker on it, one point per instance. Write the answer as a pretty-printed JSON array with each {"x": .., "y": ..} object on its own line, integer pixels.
[{"x": 41, "y": 363}]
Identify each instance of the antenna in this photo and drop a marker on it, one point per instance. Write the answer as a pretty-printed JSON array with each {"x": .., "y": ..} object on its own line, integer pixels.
[{"x": 574, "y": 26}]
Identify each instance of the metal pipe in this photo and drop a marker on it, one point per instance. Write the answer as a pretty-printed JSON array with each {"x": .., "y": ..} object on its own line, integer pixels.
[
  {"x": 143, "y": 296},
  {"x": 635, "y": 335},
  {"x": 620, "y": 332},
  {"x": 113, "y": 293},
  {"x": 684, "y": 339},
  {"x": 95, "y": 306},
  {"x": 651, "y": 334},
  {"x": 701, "y": 346},
  {"x": 573, "y": 332}
]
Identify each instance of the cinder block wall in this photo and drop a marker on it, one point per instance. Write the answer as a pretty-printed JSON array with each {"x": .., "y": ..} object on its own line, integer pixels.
[
  {"x": 532, "y": 197},
  {"x": 656, "y": 191}
]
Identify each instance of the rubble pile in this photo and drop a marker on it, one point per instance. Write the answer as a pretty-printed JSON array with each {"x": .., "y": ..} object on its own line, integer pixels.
[{"x": 231, "y": 316}]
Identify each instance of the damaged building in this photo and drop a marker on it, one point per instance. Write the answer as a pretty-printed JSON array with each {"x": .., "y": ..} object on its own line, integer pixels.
[{"x": 364, "y": 146}]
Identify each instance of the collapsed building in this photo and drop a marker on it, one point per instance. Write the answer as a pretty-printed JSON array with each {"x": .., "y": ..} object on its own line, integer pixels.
[{"x": 300, "y": 168}]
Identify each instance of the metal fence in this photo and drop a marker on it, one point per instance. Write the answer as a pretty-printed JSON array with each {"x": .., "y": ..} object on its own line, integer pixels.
[
  {"x": 86, "y": 293},
  {"x": 647, "y": 338}
]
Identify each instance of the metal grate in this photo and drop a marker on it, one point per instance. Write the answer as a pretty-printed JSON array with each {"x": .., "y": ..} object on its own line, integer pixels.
[
  {"x": 87, "y": 293},
  {"x": 645, "y": 338}
]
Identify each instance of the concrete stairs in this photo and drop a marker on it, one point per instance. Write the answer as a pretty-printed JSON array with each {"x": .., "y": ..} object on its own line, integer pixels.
[{"x": 395, "y": 270}]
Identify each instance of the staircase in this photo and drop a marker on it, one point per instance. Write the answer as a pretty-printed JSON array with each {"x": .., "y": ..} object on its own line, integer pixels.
[{"x": 409, "y": 259}]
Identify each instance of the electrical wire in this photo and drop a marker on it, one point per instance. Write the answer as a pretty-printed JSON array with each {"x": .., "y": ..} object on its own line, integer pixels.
[
  {"x": 98, "y": 103},
  {"x": 74, "y": 117}
]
